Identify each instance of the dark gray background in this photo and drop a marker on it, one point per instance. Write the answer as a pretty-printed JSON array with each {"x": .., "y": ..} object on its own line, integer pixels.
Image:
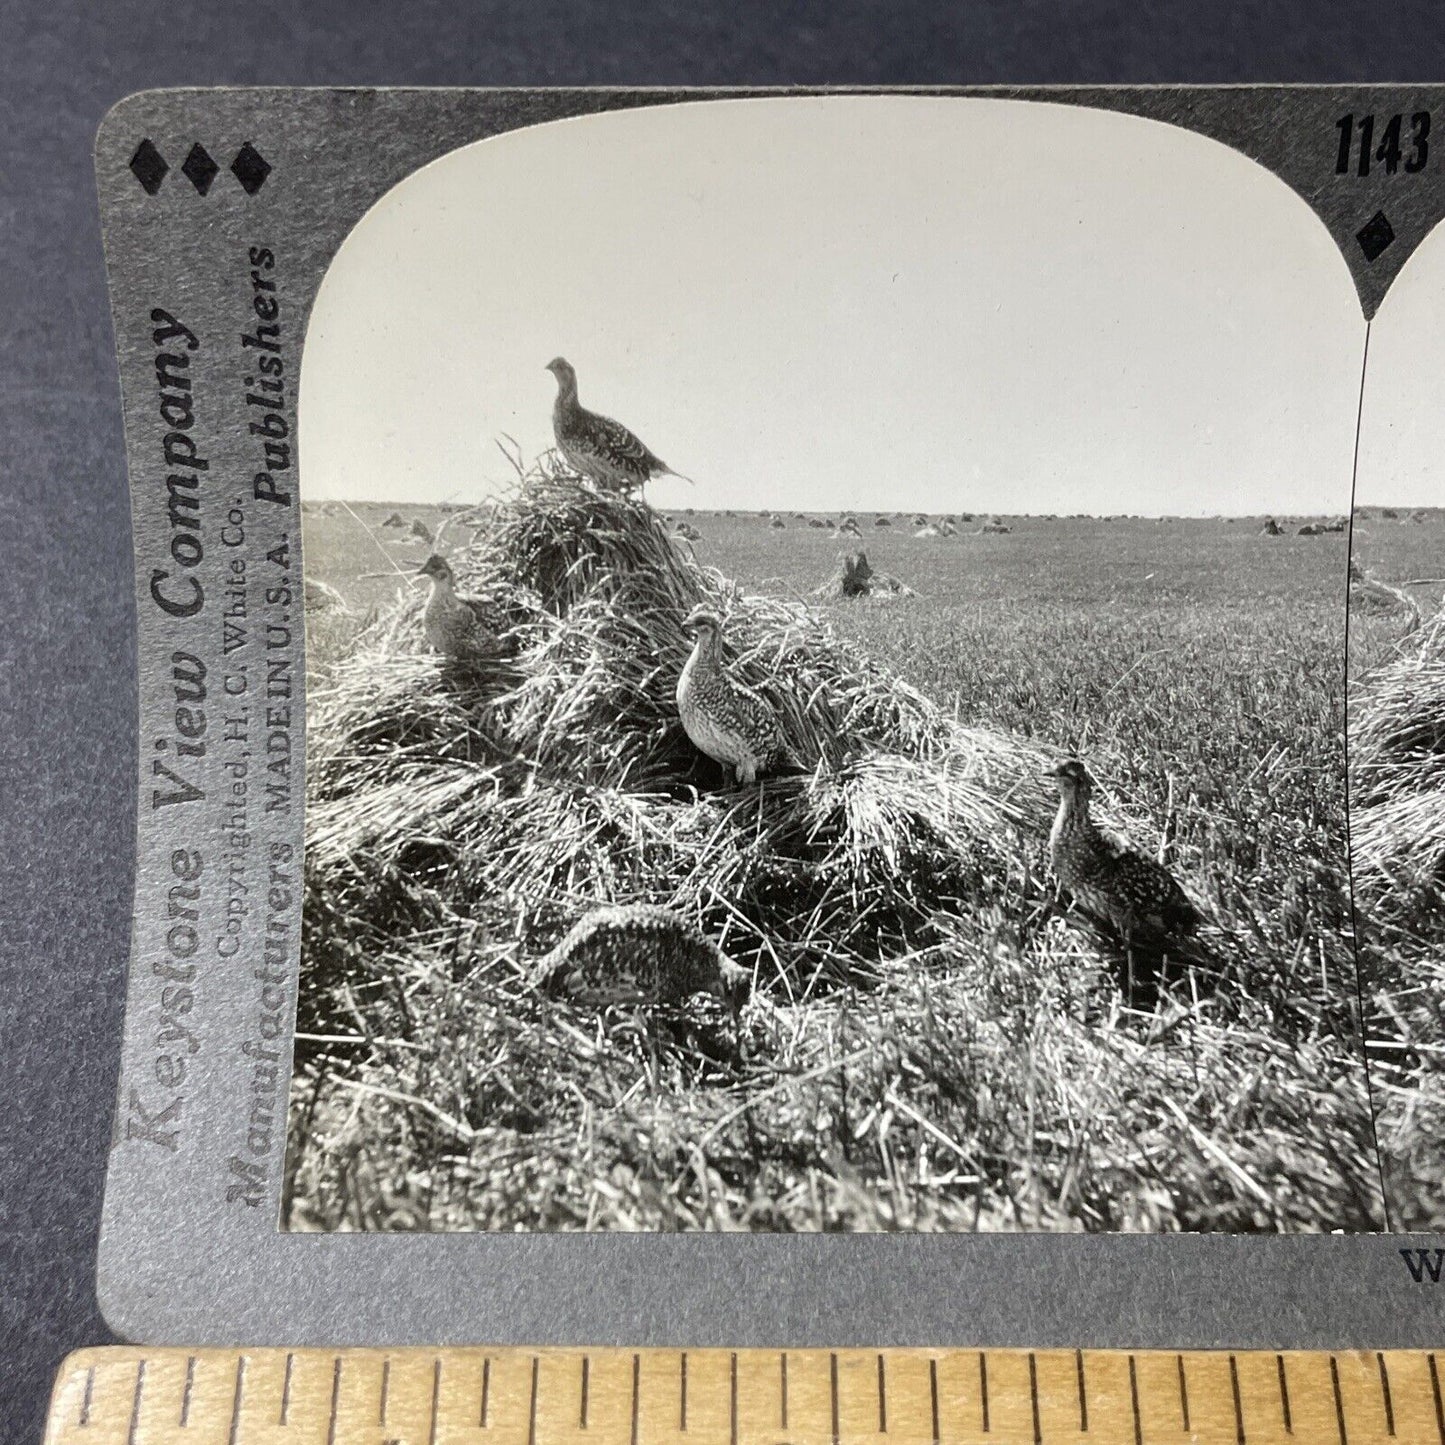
[{"x": 67, "y": 732}]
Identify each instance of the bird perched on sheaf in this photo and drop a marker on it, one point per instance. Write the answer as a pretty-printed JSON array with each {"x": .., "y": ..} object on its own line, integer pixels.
[
  {"x": 639, "y": 954},
  {"x": 1135, "y": 896},
  {"x": 456, "y": 625},
  {"x": 731, "y": 723},
  {"x": 602, "y": 450}
]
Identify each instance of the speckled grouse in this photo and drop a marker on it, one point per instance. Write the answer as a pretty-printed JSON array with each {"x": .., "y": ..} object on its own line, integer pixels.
[
  {"x": 602, "y": 450},
  {"x": 731, "y": 723},
  {"x": 457, "y": 626},
  {"x": 1135, "y": 896},
  {"x": 639, "y": 954}
]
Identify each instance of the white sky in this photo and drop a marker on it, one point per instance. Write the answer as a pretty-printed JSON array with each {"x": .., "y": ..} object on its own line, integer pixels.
[
  {"x": 1402, "y": 432},
  {"x": 856, "y": 302}
]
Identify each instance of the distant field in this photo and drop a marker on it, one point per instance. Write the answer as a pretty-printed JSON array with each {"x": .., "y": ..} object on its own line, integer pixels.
[
  {"x": 1074, "y": 629},
  {"x": 1396, "y": 550}
]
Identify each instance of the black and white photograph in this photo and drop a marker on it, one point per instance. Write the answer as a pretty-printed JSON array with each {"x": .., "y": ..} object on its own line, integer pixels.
[
  {"x": 826, "y": 627},
  {"x": 1397, "y": 738}
]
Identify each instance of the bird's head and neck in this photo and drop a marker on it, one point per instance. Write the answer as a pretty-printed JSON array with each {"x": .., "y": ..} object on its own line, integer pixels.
[
  {"x": 706, "y": 626},
  {"x": 561, "y": 368},
  {"x": 1075, "y": 786},
  {"x": 439, "y": 570}
]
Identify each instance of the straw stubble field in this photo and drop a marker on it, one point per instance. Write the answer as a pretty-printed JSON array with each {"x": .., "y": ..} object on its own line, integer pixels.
[
  {"x": 932, "y": 1044},
  {"x": 1397, "y": 792}
]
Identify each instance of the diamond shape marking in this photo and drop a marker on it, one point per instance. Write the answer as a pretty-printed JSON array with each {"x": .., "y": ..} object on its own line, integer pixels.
[
  {"x": 148, "y": 166},
  {"x": 1375, "y": 235},
  {"x": 250, "y": 168},
  {"x": 199, "y": 169}
]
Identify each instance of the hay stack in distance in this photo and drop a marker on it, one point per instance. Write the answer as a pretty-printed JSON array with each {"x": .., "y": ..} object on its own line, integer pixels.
[{"x": 855, "y": 577}]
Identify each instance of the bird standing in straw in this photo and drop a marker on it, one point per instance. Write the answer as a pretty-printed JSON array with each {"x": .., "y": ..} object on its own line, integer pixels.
[
  {"x": 602, "y": 450},
  {"x": 731, "y": 723},
  {"x": 639, "y": 955},
  {"x": 1137, "y": 897},
  {"x": 458, "y": 626}
]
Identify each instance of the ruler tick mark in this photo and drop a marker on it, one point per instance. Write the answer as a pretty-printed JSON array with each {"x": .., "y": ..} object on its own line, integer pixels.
[
  {"x": 682, "y": 1393},
  {"x": 236, "y": 1400},
  {"x": 783, "y": 1371},
  {"x": 983, "y": 1387},
  {"x": 532, "y": 1406},
  {"x": 335, "y": 1401},
  {"x": 882, "y": 1399},
  {"x": 385, "y": 1390},
  {"x": 1435, "y": 1390},
  {"x": 1183, "y": 1391},
  {"x": 140, "y": 1381},
  {"x": 1034, "y": 1396},
  {"x": 86, "y": 1398},
  {"x": 436, "y": 1399},
  {"x": 1284, "y": 1396},
  {"x": 636, "y": 1375},
  {"x": 1083, "y": 1392},
  {"x": 486, "y": 1386},
  {"x": 1339, "y": 1403},
  {"x": 1385, "y": 1393},
  {"x": 186, "y": 1393},
  {"x": 582, "y": 1410},
  {"x": 833, "y": 1393},
  {"x": 733, "y": 1398},
  {"x": 933, "y": 1396},
  {"x": 1238, "y": 1408},
  {"x": 286, "y": 1389},
  {"x": 1134, "y": 1402}
]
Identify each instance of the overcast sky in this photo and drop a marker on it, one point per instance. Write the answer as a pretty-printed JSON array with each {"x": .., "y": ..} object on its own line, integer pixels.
[
  {"x": 856, "y": 302},
  {"x": 1402, "y": 432}
]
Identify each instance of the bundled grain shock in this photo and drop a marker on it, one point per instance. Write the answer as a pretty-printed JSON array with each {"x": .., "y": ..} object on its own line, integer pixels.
[
  {"x": 1397, "y": 747},
  {"x": 511, "y": 796}
]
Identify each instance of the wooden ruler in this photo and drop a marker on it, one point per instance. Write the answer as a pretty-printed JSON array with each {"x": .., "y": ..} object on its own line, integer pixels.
[{"x": 137, "y": 1396}]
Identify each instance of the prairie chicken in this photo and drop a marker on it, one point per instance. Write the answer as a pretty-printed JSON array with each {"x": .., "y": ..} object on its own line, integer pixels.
[
  {"x": 639, "y": 955},
  {"x": 1135, "y": 896},
  {"x": 457, "y": 626},
  {"x": 602, "y": 450},
  {"x": 731, "y": 723}
]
